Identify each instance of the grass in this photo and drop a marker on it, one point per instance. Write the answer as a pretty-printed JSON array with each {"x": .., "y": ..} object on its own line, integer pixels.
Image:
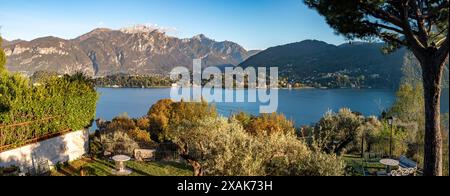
[
  {"x": 357, "y": 166},
  {"x": 99, "y": 167}
]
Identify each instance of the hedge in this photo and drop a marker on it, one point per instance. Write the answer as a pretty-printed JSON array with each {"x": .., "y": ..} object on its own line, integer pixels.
[{"x": 29, "y": 111}]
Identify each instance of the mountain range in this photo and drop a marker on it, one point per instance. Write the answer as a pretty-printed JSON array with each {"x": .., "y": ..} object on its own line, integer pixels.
[
  {"x": 135, "y": 50},
  {"x": 320, "y": 64},
  {"x": 143, "y": 50}
]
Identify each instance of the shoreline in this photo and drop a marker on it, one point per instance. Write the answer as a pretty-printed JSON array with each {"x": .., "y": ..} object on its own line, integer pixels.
[
  {"x": 152, "y": 87},
  {"x": 284, "y": 88}
]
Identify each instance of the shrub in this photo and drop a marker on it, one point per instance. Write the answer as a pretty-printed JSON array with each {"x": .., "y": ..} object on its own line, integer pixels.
[
  {"x": 88, "y": 171},
  {"x": 191, "y": 111},
  {"x": 2, "y": 58},
  {"x": 9, "y": 171},
  {"x": 368, "y": 135},
  {"x": 409, "y": 105},
  {"x": 320, "y": 164},
  {"x": 167, "y": 113},
  {"x": 95, "y": 147},
  {"x": 403, "y": 140},
  {"x": 140, "y": 136},
  {"x": 42, "y": 76},
  {"x": 122, "y": 134},
  {"x": 118, "y": 142},
  {"x": 270, "y": 124},
  {"x": 121, "y": 123},
  {"x": 143, "y": 123},
  {"x": 159, "y": 116},
  {"x": 288, "y": 156},
  {"x": 244, "y": 118}
]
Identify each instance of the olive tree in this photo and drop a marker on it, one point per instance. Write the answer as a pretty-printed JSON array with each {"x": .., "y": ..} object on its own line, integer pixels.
[
  {"x": 335, "y": 131},
  {"x": 221, "y": 147},
  {"x": 213, "y": 146},
  {"x": 419, "y": 25}
]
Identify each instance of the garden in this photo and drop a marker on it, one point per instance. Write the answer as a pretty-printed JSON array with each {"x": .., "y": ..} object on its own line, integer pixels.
[
  {"x": 190, "y": 138},
  {"x": 194, "y": 137}
]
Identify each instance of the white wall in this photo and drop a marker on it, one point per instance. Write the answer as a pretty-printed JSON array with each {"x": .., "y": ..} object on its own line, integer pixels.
[{"x": 68, "y": 147}]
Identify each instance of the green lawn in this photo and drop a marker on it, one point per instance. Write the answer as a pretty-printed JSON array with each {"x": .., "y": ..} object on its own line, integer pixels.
[
  {"x": 356, "y": 165},
  {"x": 99, "y": 167}
]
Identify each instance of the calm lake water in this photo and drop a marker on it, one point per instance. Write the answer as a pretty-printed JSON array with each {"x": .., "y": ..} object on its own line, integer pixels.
[{"x": 304, "y": 106}]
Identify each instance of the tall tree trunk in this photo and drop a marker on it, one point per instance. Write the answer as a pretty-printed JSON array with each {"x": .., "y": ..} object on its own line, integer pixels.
[{"x": 432, "y": 74}]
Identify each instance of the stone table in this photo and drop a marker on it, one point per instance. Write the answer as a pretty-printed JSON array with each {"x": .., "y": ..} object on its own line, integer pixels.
[
  {"x": 389, "y": 164},
  {"x": 121, "y": 170}
]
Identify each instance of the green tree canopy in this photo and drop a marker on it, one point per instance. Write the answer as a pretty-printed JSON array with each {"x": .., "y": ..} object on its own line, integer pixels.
[
  {"x": 409, "y": 104},
  {"x": 418, "y": 24}
]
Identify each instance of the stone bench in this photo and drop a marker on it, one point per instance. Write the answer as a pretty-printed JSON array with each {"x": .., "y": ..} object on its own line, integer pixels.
[{"x": 144, "y": 154}]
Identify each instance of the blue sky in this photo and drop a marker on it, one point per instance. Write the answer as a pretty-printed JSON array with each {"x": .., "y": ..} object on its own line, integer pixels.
[{"x": 255, "y": 24}]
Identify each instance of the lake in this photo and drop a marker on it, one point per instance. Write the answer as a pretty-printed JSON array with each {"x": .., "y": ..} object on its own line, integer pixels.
[{"x": 304, "y": 106}]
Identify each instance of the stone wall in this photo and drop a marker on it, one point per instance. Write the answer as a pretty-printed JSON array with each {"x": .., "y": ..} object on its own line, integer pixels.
[{"x": 43, "y": 155}]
